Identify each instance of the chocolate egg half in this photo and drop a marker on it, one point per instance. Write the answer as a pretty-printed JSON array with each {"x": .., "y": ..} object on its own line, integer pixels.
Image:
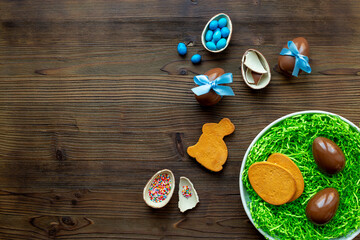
[
  {"x": 287, "y": 63},
  {"x": 328, "y": 156},
  {"x": 322, "y": 206},
  {"x": 211, "y": 98}
]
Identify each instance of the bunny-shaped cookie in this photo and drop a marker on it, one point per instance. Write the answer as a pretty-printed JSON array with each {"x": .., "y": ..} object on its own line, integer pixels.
[{"x": 211, "y": 151}]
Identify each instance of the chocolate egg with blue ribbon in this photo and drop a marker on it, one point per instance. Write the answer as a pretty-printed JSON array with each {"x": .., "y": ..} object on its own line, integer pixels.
[
  {"x": 211, "y": 98},
  {"x": 210, "y": 88},
  {"x": 287, "y": 63}
]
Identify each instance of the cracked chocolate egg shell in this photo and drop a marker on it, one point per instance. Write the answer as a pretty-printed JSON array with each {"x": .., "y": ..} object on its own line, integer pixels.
[
  {"x": 211, "y": 98},
  {"x": 287, "y": 63},
  {"x": 255, "y": 69}
]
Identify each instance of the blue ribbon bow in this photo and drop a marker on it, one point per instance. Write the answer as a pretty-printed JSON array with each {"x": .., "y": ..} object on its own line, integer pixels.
[
  {"x": 301, "y": 61},
  {"x": 205, "y": 85}
]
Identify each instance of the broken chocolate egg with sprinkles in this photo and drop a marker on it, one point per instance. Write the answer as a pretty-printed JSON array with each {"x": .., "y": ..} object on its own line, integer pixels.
[
  {"x": 188, "y": 197},
  {"x": 159, "y": 189}
]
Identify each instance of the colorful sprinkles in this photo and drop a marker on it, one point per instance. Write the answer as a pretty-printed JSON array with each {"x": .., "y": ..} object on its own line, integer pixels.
[
  {"x": 160, "y": 188},
  {"x": 186, "y": 191}
]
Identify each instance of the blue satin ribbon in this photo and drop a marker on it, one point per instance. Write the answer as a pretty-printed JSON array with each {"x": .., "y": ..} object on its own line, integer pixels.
[
  {"x": 301, "y": 61},
  {"x": 205, "y": 85}
]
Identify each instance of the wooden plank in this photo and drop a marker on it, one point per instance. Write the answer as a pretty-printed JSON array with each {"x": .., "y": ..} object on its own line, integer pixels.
[
  {"x": 102, "y": 10},
  {"x": 155, "y": 227},
  {"x": 159, "y": 60},
  {"x": 167, "y": 31}
]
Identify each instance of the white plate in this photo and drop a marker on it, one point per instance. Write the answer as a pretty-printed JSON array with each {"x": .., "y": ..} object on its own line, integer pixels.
[{"x": 244, "y": 194}]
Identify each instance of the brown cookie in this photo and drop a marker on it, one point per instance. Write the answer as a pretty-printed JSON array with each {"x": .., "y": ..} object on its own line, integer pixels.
[
  {"x": 273, "y": 183},
  {"x": 289, "y": 165},
  {"x": 211, "y": 150}
]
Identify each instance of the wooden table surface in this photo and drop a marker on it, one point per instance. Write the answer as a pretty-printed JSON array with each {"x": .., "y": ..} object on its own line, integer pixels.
[{"x": 94, "y": 99}]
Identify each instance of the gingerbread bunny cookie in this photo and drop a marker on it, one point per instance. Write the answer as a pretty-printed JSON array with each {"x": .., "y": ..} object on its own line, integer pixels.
[{"x": 211, "y": 151}]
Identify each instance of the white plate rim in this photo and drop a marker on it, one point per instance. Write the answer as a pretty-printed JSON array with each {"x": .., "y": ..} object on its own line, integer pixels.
[{"x": 241, "y": 185}]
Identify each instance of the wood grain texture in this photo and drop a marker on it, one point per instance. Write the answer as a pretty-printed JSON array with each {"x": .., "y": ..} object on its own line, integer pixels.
[{"x": 94, "y": 99}]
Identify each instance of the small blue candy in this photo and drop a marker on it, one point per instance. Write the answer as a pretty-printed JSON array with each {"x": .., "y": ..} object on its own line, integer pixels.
[
  {"x": 213, "y": 25},
  {"x": 217, "y": 35},
  {"x": 221, "y": 43},
  {"x": 225, "y": 32},
  {"x": 182, "y": 49},
  {"x": 222, "y": 22},
  {"x": 209, "y": 35},
  {"x": 196, "y": 59},
  {"x": 211, "y": 46}
]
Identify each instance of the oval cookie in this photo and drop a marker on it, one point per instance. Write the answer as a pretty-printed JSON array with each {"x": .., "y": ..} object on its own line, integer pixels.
[
  {"x": 273, "y": 183},
  {"x": 289, "y": 165}
]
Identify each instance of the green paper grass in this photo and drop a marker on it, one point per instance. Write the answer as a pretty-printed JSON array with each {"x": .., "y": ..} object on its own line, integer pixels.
[{"x": 293, "y": 137}]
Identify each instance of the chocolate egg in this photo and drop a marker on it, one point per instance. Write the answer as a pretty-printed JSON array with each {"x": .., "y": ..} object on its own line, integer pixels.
[
  {"x": 328, "y": 156},
  {"x": 287, "y": 63},
  {"x": 211, "y": 98},
  {"x": 322, "y": 206}
]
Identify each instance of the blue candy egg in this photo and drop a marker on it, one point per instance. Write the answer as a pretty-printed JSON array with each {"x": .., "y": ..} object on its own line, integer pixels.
[
  {"x": 213, "y": 25},
  {"x": 221, "y": 43},
  {"x": 211, "y": 46},
  {"x": 217, "y": 35},
  {"x": 196, "y": 58},
  {"x": 222, "y": 22},
  {"x": 225, "y": 32},
  {"x": 209, "y": 35},
  {"x": 182, "y": 50}
]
